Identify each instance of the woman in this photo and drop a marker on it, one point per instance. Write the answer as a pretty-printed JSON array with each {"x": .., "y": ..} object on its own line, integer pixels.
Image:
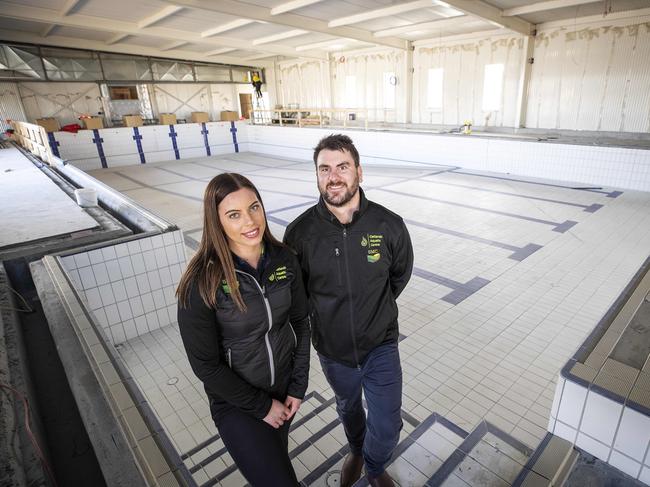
[{"x": 243, "y": 319}]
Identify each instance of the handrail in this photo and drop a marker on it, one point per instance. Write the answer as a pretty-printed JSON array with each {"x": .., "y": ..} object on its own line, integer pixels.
[{"x": 299, "y": 119}]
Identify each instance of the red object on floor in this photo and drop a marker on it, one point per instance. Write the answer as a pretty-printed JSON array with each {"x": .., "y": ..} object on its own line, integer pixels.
[{"x": 72, "y": 127}]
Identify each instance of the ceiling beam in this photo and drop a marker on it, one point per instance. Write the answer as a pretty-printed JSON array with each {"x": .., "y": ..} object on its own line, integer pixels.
[
  {"x": 543, "y": 6},
  {"x": 48, "y": 30},
  {"x": 116, "y": 38},
  {"x": 380, "y": 12},
  {"x": 158, "y": 16},
  {"x": 235, "y": 24},
  {"x": 48, "y": 16},
  {"x": 493, "y": 15},
  {"x": 278, "y": 37},
  {"x": 124, "y": 48},
  {"x": 332, "y": 44},
  {"x": 434, "y": 25},
  {"x": 250, "y": 11},
  {"x": 173, "y": 45},
  {"x": 216, "y": 52},
  {"x": 69, "y": 7},
  {"x": 293, "y": 5},
  {"x": 258, "y": 56}
]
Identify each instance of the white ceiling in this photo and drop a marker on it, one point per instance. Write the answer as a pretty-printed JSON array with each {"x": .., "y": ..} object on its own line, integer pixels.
[{"x": 253, "y": 32}]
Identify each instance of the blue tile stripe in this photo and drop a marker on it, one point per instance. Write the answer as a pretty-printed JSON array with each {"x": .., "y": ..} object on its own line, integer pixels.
[
  {"x": 233, "y": 131},
  {"x": 173, "y": 135},
  {"x": 54, "y": 144},
  {"x": 98, "y": 141},
  {"x": 138, "y": 142},
  {"x": 205, "y": 133}
]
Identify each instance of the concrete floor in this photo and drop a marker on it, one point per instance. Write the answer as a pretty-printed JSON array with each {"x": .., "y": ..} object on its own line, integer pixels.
[{"x": 510, "y": 276}]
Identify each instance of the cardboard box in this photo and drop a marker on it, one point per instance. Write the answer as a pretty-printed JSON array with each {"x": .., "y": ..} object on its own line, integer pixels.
[
  {"x": 167, "y": 119},
  {"x": 132, "y": 120},
  {"x": 199, "y": 117},
  {"x": 49, "y": 124},
  {"x": 229, "y": 116},
  {"x": 93, "y": 123}
]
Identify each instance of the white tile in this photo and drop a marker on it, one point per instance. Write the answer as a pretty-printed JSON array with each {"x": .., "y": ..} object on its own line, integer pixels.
[
  {"x": 572, "y": 404},
  {"x": 564, "y": 431},
  {"x": 147, "y": 302},
  {"x": 69, "y": 262},
  {"x": 600, "y": 417},
  {"x": 106, "y": 293},
  {"x": 121, "y": 250},
  {"x": 109, "y": 253},
  {"x": 87, "y": 277},
  {"x": 143, "y": 283},
  {"x": 596, "y": 448},
  {"x": 154, "y": 280},
  {"x": 81, "y": 260},
  {"x": 124, "y": 309},
  {"x": 134, "y": 247},
  {"x": 136, "y": 306},
  {"x": 165, "y": 277},
  {"x": 130, "y": 330},
  {"x": 119, "y": 291},
  {"x": 112, "y": 314},
  {"x": 131, "y": 286},
  {"x": 93, "y": 298},
  {"x": 161, "y": 257},
  {"x": 145, "y": 244},
  {"x": 95, "y": 256},
  {"x": 633, "y": 434},
  {"x": 625, "y": 464},
  {"x": 137, "y": 261},
  {"x": 101, "y": 273},
  {"x": 149, "y": 260},
  {"x": 114, "y": 272},
  {"x": 558, "y": 396},
  {"x": 125, "y": 266}
]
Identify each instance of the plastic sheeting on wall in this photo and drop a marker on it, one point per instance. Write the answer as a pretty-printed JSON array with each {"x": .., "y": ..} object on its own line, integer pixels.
[
  {"x": 11, "y": 108},
  {"x": 304, "y": 83},
  {"x": 63, "y": 101},
  {"x": 463, "y": 64},
  {"x": 592, "y": 78}
]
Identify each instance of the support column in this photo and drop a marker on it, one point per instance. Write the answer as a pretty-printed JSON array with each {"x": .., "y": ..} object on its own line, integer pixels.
[
  {"x": 408, "y": 82},
  {"x": 524, "y": 82}
]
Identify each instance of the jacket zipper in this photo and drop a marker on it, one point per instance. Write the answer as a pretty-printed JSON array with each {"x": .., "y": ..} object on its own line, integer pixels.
[
  {"x": 347, "y": 281},
  {"x": 293, "y": 332},
  {"x": 269, "y": 316},
  {"x": 229, "y": 357},
  {"x": 337, "y": 253}
]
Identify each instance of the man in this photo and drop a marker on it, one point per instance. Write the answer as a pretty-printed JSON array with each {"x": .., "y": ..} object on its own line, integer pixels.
[{"x": 356, "y": 257}]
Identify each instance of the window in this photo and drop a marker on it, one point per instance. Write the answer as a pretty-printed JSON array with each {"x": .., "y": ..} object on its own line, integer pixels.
[
  {"x": 434, "y": 89},
  {"x": 492, "y": 87},
  {"x": 123, "y": 92},
  {"x": 350, "y": 91},
  {"x": 389, "y": 90}
]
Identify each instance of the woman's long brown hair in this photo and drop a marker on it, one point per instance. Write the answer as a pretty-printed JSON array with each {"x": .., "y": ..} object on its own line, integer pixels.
[{"x": 213, "y": 262}]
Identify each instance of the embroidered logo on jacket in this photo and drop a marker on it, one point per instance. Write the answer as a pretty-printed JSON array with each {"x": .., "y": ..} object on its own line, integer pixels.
[
  {"x": 278, "y": 274},
  {"x": 225, "y": 286},
  {"x": 373, "y": 243}
]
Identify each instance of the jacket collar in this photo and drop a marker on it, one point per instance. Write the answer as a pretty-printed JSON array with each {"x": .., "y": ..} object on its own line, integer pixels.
[{"x": 325, "y": 213}]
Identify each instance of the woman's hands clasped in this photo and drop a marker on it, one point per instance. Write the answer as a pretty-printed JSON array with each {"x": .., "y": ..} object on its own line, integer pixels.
[{"x": 279, "y": 413}]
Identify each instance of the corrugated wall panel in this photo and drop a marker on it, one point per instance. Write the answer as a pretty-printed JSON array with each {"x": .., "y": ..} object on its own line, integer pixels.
[
  {"x": 10, "y": 105},
  {"x": 63, "y": 101},
  {"x": 594, "y": 77}
]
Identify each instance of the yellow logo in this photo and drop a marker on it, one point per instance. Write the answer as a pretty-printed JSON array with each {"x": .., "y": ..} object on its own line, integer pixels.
[
  {"x": 278, "y": 274},
  {"x": 364, "y": 241},
  {"x": 374, "y": 258}
]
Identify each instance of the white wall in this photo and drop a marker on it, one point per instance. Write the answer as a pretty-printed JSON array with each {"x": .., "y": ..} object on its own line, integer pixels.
[
  {"x": 592, "y": 75},
  {"x": 11, "y": 107},
  {"x": 463, "y": 62}
]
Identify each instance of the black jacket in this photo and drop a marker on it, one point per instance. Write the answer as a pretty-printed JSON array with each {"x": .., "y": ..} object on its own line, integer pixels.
[
  {"x": 353, "y": 275},
  {"x": 246, "y": 359}
]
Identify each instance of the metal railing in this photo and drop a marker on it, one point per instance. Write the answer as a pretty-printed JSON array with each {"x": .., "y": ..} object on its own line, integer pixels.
[{"x": 320, "y": 117}]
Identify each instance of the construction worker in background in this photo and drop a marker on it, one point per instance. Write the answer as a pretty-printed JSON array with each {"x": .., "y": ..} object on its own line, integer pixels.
[{"x": 257, "y": 83}]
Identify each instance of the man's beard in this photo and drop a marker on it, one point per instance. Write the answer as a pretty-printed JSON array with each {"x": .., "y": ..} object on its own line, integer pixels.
[{"x": 342, "y": 198}]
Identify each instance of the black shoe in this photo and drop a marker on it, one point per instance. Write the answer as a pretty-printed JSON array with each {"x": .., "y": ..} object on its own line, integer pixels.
[
  {"x": 351, "y": 470},
  {"x": 383, "y": 480}
]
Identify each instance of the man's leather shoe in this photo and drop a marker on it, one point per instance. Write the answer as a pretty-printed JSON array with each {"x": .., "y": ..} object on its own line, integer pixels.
[
  {"x": 383, "y": 480},
  {"x": 351, "y": 470}
]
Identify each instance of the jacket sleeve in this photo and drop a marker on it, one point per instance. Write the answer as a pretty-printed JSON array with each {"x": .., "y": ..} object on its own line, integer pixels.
[
  {"x": 201, "y": 340},
  {"x": 293, "y": 242},
  {"x": 402, "y": 265},
  {"x": 299, "y": 318}
]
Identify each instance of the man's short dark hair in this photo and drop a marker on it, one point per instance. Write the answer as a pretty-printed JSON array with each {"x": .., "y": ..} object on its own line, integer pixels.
[{"x": 338, "y": 142}]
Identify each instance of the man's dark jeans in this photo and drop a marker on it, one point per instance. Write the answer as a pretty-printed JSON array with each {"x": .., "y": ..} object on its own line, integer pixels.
[{"x": 380, "y": 377}]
